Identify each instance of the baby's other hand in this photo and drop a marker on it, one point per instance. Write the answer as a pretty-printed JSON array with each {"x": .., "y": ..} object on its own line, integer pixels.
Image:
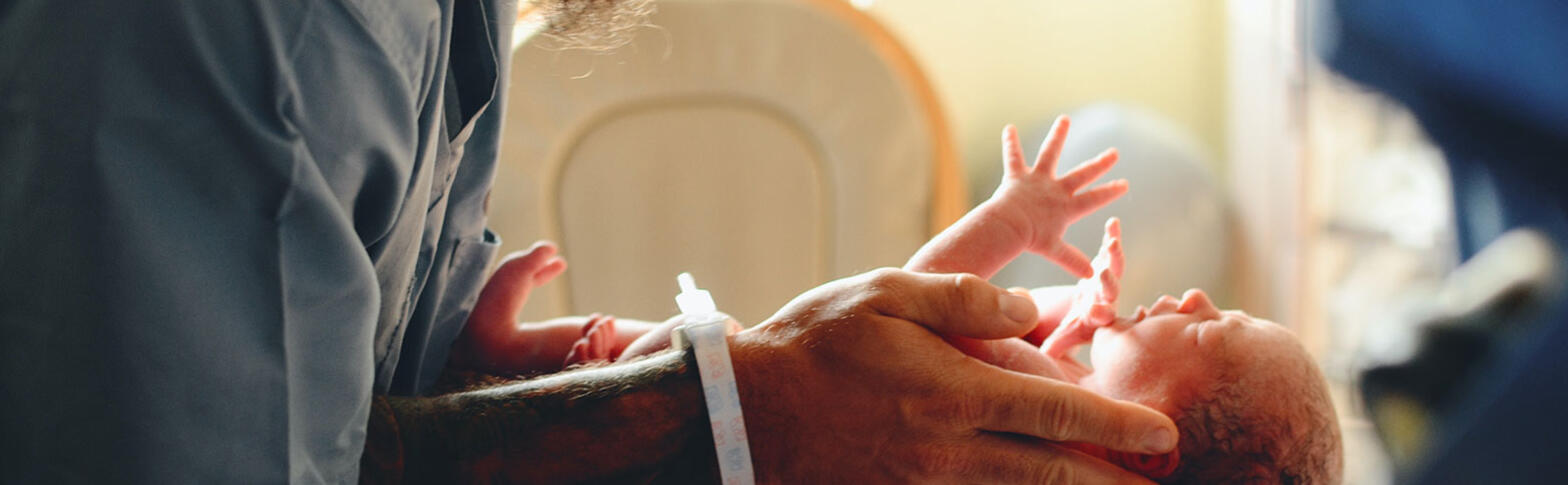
[
  {"x": 1041, "y": 205},
  {"x": 1095, "y": 304}
]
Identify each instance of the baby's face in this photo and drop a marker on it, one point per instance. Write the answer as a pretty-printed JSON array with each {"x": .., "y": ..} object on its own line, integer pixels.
[{"x": 1178, "y": 350}]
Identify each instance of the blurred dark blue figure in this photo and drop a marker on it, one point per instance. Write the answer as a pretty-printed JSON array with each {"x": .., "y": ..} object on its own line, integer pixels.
[{"x": 1489, "y": 82}]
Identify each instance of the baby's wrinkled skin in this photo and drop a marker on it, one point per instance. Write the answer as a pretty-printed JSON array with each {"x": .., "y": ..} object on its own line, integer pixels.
[
  {"x": 1173, "y": 356},
  {"x": 1163, "y": 358}
]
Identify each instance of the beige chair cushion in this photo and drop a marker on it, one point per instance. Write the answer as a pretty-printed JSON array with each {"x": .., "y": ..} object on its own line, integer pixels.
[{"x": 766, "y": 146}]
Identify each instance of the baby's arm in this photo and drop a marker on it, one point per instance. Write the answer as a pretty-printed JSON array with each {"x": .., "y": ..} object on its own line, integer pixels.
[{"x": 1029, "y": 211}]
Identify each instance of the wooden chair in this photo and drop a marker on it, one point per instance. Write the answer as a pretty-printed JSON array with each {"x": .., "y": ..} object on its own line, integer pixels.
[{"x": 767, "y": 146}]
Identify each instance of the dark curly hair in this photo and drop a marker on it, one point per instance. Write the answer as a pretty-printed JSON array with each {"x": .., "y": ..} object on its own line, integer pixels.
[
  {"x": 597, "y": 25},
  {"x": 1254, "y": 426}
]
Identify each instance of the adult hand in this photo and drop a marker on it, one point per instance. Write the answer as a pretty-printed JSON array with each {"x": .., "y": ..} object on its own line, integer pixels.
[{"x": 852, "y": 383}]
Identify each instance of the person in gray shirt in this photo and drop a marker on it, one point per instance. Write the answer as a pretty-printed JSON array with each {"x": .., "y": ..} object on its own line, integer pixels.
[{"x": 234, "y": 233}]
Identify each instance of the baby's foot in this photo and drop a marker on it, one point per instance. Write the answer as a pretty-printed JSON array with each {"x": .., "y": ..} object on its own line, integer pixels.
[
  {"x": 1042, "y": 205},
  {"x": 493, "y": 321},
  {"x": 597, "y": 343},
  {"x": 1095, "y": 304}
]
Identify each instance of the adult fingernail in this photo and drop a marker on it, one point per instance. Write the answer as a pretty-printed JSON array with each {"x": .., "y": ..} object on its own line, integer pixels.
[
  {"x": 1017, "y": 308},
  {"x": 1160, "y": 441}
]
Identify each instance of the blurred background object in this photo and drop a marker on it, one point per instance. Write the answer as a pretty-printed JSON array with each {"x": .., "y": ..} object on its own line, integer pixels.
[
  {"x": 1480, "y": 397},
  {"x": 766, "y": 146}
]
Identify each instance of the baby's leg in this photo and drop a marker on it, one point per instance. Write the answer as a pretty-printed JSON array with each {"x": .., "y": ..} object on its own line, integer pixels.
[
  {"x": 531, "y": 348},
  {"x": 555, "y": 344},
  {"x": 492, "y": 335}
]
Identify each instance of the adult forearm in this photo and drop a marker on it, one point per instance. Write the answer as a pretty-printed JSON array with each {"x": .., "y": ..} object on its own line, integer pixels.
[{"x": 642, "y": 421}]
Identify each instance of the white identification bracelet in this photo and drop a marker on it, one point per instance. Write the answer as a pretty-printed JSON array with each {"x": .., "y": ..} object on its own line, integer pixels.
[{"x": 704, "y": 333}]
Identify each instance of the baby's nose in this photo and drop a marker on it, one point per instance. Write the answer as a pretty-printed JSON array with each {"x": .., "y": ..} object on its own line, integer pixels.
[{"x": 1196, "y": 302}]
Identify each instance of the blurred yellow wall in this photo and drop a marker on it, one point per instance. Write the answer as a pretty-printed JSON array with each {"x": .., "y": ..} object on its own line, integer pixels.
[{"x": 1018, "y": 61}]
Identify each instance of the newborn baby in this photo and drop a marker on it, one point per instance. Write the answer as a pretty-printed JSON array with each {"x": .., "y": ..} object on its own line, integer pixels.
[
  {"x": 1249, "y": 402},
  {"x": 1029, "y": 211}
]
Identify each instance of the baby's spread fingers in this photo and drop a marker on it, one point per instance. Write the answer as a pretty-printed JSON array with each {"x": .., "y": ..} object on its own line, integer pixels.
[
  {"x": 1087, "y": 172},
  {"x": 1110, "y": 286},
  {"x": 1118, "y": 260},
  {"x": 1071, "y": 259},
  {"x": 1059, "y": 411},
  {"x": 1051, "y": 149},
  {"x": 1097, "y": 197},
  {"x": 1012, "y": 151},
  {"x": 1102, "y": 259},
  {"x": 995, "y": 458}
]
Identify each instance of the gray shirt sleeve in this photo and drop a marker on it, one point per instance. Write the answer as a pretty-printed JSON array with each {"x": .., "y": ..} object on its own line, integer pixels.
[{"x": 185, "y": 294}]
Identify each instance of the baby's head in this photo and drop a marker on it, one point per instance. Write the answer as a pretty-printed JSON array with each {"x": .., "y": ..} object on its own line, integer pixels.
[{"x": 1250, "y": 403}]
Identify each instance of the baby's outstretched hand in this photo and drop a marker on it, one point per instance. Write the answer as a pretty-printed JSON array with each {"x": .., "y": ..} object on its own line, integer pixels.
[
  {"x": 1042, "y": 205},
  {"x": 1095, "y": 304}
]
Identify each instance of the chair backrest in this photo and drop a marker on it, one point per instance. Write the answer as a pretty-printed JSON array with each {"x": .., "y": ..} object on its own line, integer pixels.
[{"x": 766, "y": 146}]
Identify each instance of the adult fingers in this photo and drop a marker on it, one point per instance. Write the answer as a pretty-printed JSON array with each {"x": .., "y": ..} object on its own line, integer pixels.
[
  {"x": 1070, "y": 259},
  {"x": 1087, "y": 172},
  {"x": 950, "y": 304},
  {"x": 1009, "y": 353},
  {"x": 1051, "y": 149},
  {"x": 1092, "y": 199},
  {"x": 1012, "y": 151},
  {"x": 994, "y": 458},
  {"x": 1059, "y": 411}
]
